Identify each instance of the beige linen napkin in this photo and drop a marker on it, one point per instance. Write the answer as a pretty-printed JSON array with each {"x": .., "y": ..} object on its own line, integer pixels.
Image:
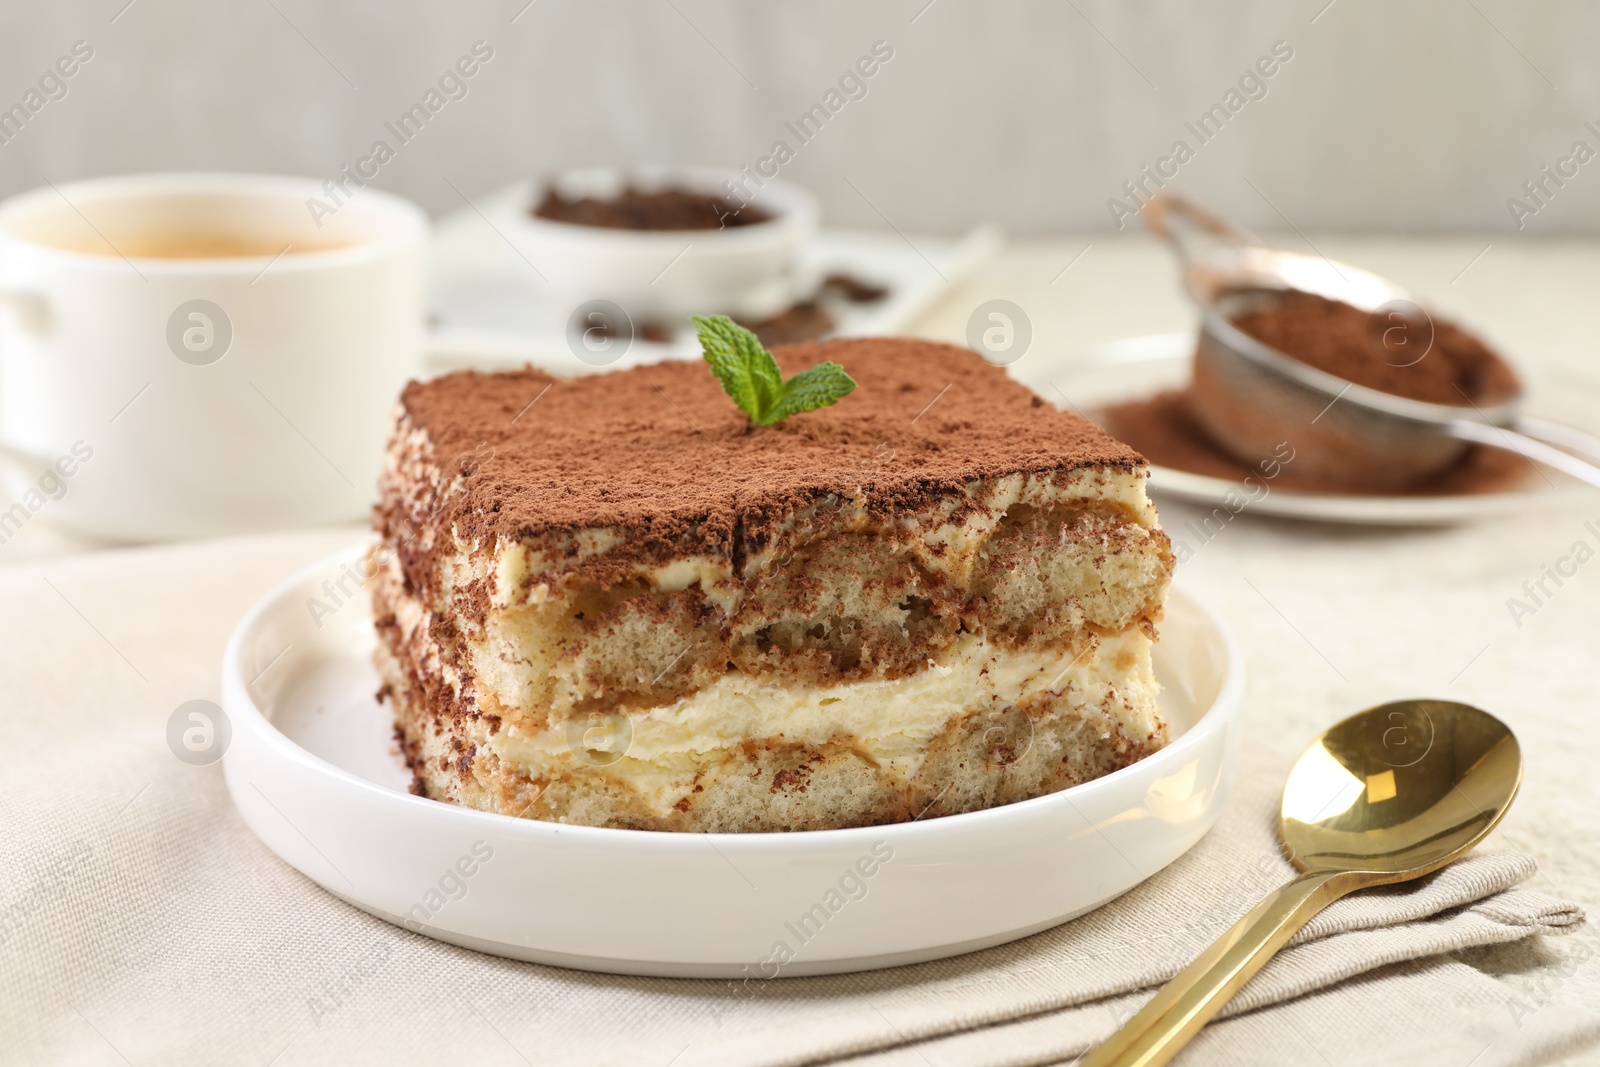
[{"x": 141, "y": 922}]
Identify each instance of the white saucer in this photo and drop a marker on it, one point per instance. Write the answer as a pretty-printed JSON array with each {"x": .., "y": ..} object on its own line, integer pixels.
[
  {"x": 314, "y": 772},
  {"x": 1142, "y": 366},
  {"x": 489, "y": 308}
]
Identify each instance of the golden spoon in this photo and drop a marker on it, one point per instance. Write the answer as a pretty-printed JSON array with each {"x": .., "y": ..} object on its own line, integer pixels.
[{"x": 1391, "y": 794}]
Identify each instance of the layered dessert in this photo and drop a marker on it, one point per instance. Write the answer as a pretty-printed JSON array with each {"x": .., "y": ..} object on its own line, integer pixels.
[{"x": 618, "y": 601}]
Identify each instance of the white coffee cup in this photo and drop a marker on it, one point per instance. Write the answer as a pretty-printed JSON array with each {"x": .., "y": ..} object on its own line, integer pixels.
[{"x": 189, "y": 355}]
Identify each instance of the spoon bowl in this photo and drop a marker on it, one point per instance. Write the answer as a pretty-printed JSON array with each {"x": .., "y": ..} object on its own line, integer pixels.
[
  {"x": 1388, "y": 795},
  {"x": 1399, "y": 790}
]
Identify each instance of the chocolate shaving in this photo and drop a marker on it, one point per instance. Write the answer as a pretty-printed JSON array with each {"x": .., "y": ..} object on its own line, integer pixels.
[
  {"x": 854, "y": 289},
  {"x": 636, "y": 209},
  {"x": 805, "y": 321}
]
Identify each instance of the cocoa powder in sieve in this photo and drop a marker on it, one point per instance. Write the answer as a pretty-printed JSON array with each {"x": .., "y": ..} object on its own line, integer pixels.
[{"x": 1399, "y": 349}]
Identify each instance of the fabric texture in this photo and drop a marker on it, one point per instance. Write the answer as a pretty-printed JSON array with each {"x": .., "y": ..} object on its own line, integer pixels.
[{"x": 141, "y": 922}]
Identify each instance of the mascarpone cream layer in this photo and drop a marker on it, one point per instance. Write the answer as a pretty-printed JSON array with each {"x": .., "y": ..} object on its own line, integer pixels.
[{"x": 891, "y": 721}]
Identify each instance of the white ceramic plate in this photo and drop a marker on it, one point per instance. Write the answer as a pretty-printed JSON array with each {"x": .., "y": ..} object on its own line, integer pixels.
[
  {"x": 1142, "y": 366},
  {"x": 314, "y": 772},
  {"x": 490, "y": 309}
]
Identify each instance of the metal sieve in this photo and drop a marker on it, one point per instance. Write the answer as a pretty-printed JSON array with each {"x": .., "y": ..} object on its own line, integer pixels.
[{"x": 1252, "y": 398}]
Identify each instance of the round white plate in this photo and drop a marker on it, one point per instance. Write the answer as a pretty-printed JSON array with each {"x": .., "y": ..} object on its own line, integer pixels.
[
  {"x": 314, "y": 772},
  {"x": 1142, "y": 366}
]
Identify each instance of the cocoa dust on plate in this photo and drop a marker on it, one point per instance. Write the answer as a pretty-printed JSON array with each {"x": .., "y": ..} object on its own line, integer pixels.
[
  {"x": 810, "y": 320},
  {"x": 1368, "y": 349},
  {"x": 1163, "y": 429},
  {"x": 806, "y": 320}
]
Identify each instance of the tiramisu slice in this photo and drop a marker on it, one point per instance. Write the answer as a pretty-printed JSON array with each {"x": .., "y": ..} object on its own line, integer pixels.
[{"x": 618, "y": 601}]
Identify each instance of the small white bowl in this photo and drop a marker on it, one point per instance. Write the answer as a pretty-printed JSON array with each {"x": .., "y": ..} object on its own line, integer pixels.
[
  {"x": 745, "y": 270},
  {"x": 312, "y": 770}
]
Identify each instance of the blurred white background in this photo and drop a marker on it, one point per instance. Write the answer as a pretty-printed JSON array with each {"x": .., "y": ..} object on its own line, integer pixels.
[{"x": 1425, "y": 116}]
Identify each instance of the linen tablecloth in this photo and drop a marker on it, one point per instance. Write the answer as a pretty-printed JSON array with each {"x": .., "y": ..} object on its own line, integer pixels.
[{"x": 141, "y": 922}]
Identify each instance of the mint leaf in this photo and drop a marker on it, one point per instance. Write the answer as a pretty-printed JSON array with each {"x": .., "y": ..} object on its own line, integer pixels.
[
  {"x": 745, "y": 369},
  {"x": 750, "y": 375},
  {"x": 816, "y": 387}
]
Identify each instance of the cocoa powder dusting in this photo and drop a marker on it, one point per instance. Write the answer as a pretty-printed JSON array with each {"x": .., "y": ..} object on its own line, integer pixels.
[
  {"x": 1406, "y": 355},
  {"x": 660, "y": 451},
  {"x": 1163, "y": 428}
]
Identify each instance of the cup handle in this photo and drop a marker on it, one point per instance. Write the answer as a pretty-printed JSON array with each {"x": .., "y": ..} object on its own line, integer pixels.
[
  {"x": 32, "y": 310},
  {"x": 30, "y": 306}
]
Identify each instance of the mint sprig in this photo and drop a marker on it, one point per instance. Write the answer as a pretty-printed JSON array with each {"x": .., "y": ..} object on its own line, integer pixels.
[{"x": 750, "y": 375}]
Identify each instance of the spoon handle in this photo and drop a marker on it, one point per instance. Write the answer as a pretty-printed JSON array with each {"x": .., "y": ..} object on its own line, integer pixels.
[
  {"x": 1553, "y": 433},
  {"x": 1510, "y": 440},
  {"x": 1195, "y": 994},
  {"x": 1162, "y": 205}
]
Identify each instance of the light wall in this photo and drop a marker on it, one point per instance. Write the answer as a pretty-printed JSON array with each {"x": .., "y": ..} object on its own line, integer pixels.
[{"x": 1032, "y": 113}]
